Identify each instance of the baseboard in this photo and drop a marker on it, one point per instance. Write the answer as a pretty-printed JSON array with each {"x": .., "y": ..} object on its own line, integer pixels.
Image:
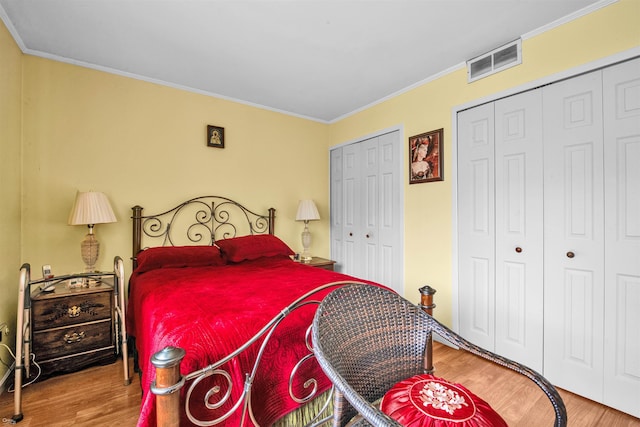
[{"x": 441, "y": 340}]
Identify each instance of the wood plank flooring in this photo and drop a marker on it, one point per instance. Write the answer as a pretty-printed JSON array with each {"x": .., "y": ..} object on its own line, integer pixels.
[
  {"x": 96, "y": 397},
  {"x": 518, "y": 400}
]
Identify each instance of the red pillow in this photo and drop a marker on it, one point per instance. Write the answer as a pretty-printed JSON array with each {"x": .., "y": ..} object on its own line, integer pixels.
[
  {"x": 257, "y": 246},
  {"x": 179, "y": 256},
  {"x": 428, "y": 401}
]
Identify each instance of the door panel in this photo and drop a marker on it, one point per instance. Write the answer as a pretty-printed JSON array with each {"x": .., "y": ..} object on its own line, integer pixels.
[
  {"x": 578, "y": 318},
  {"x": 370, "y": 209},
  {"x": 476, "y": 216},
  {"x": 479, "y": 320},
  {"x": 390, "y": 226},
  {"x": 352, "y": 223},
  {"x": 514, "y": 326},
  {"x": 622, "y": 236},
  {"x": 519, "y": 219},
  {"x": 574, "y": 235},
  {"x": 337, "y": 207}
]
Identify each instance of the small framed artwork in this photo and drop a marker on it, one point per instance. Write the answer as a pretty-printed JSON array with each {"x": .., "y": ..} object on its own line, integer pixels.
[
  {"x": 215, "y": 136},
  {"x": 425, "y": 157}
]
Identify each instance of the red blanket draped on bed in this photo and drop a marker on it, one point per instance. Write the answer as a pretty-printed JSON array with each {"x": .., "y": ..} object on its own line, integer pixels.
[{"x": 210, "y": 311}]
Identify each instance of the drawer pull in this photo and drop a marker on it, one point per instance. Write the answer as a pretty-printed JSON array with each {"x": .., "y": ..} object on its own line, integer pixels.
[
  {"x": 74, "y": 337},
  {"x": 74, "y": 311}
]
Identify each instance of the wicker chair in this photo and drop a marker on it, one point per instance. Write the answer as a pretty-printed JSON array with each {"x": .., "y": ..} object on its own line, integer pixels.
[{"x": 367, "y": 338}]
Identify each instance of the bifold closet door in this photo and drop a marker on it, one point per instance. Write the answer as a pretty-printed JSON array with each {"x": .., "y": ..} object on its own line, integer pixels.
[
  {"x": 519, "y": 216},
  {"x": 592, "y": 235},
  {"x": 352, "y": 226},
  {"x": 574, "y": 235},
  {"x": 476, "y": 225},
  {"x": 369, "y": 199},
  {"x": 549, "y": 231},
  {"x": 366, "y": 209},
  {"x": 500, "y": 227},
  {"x": 622, "y": 236},
  {"x": 337, "y": 209},
  {"x": 390, "y": 211}
]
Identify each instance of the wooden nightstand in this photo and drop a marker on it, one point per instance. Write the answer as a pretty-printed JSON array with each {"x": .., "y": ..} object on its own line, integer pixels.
[
  {"x": 66, "y": 328},
  {"x": 323, "y": 263},
  {"x": 74, "y": 328}
]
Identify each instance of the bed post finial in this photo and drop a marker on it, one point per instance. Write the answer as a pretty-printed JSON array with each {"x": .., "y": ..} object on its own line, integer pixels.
[
  {"x": 426, "y": 299},
  {"x": 137, "y": 234},
  {"x": 426, "y": 303},
  {"x": 272, "y": 219},
  {"x": 167, "y": 385}
]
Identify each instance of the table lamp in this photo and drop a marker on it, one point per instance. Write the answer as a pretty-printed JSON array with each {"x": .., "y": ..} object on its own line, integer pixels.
[
  {"x": 307, "y": 211},
  {"x": 91, "y": 208}
]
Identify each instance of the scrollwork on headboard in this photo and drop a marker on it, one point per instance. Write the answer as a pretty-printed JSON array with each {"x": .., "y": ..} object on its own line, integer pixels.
[{"x": 201, "y": 220}]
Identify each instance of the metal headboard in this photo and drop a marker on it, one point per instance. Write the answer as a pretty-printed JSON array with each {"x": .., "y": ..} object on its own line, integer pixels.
[{"x": 201, "y": 220}]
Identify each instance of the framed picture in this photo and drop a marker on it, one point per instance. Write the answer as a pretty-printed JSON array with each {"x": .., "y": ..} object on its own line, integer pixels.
[
  {"x": 215, "y": 136},
  {"x": 425, "y": 157}
]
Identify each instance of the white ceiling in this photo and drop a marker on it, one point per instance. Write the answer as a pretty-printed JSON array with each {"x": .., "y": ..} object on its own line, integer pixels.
[{"x": 319, "y": 59}]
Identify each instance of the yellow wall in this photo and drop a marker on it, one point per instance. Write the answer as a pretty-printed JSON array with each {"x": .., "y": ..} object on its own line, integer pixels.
[
  {"x": 428, "y": 207},
  {"x": 10, "y": 125},
  {"x": 143, "y": 143}
]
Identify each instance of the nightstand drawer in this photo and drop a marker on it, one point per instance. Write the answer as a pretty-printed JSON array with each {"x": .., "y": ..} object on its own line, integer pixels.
[
  {"x": 59, "y": 342},
  {"x": 71, "y": 310}
]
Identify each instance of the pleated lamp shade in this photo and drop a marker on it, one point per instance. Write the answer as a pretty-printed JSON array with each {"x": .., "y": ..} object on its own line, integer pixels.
[
  {"x": 307, "y": 211},
  {"x": 91, "y": 208}
]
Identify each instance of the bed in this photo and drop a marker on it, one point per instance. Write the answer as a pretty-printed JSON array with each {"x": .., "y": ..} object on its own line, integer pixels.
[{"x": 212, "y": 281}]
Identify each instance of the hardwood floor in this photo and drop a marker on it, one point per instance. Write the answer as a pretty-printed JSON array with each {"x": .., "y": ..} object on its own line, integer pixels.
[
  {"x": 96, "y": 397},
  {"x": 518, "y": 400}
]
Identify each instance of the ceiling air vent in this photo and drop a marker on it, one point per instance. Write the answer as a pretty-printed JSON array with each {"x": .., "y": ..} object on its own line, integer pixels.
[{"x": 497, "y": 60}]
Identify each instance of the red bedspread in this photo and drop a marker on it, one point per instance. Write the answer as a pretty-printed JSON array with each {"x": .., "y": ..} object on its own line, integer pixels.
[{"x": 210, "y": 311}]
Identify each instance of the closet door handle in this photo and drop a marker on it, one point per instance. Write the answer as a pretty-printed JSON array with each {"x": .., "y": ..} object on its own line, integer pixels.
[
  {"x": 570, "y": 254},
  {"x": 518, "y": 249}
]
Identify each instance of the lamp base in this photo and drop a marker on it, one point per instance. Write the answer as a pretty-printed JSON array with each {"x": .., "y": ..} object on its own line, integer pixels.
[
  {"x": 90, "y": 250},
  {"x": 305, "y": 256}
]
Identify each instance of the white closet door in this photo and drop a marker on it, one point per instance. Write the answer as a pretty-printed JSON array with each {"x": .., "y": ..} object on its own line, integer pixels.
[
  {"x": 337, "y": 206},
  {"x": 622, "y": 237},
  {"x": 390, "y": 211},
  {"x": 519, "y": 216},
  {"x": 367, "y": 223},
  {"x": 352, "y": 217},
  {"x": 574, "y": 229},
  {"x": 476, "y": 218},
  {"x": 369, "y": 208}
]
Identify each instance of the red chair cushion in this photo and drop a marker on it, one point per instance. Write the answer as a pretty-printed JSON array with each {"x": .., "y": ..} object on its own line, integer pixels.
[{"x": 428, "y": 401}]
